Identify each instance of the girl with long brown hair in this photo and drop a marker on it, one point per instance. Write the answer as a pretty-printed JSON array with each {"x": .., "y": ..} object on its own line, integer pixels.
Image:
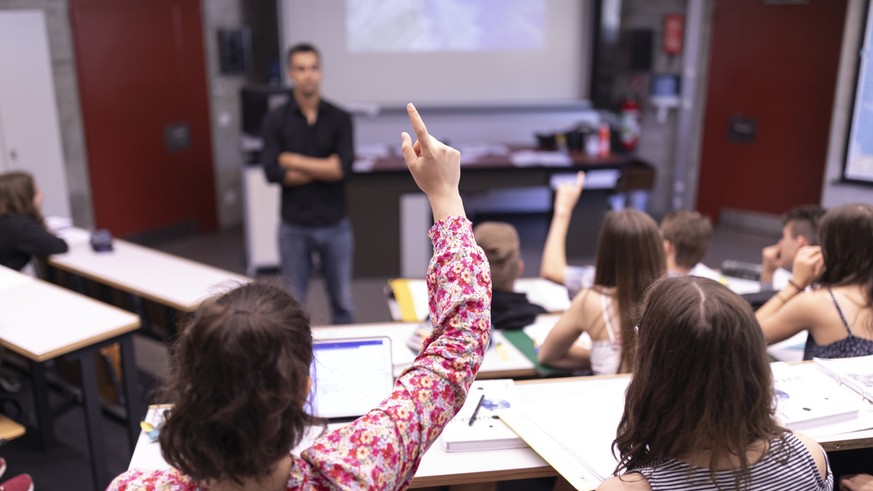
[
  {"x": 699, "y": 409},
  {"x": 838, "y": 312},
  {"x": 23, "y": 234},
  {"x": 630, "y": 256}
]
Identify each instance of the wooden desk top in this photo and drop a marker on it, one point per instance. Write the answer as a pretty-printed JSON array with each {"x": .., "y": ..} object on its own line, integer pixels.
[
  {"x": 41, "y": 321},
  {"x": 163, "y": 278}
]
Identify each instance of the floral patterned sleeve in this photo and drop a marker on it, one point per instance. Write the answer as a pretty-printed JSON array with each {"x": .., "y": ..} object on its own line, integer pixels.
[{"x": 382, "y": 449}]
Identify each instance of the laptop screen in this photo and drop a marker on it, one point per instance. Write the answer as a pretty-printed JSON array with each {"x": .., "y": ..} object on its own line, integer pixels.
[{"x": 350, "y": 376}]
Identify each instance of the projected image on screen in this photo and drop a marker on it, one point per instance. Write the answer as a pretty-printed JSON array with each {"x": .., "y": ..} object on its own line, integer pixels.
[{"x": 380, "y": 26}]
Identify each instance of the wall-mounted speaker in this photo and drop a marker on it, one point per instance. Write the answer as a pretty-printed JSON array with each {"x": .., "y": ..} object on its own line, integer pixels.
[{"x": 234, "y": 51}]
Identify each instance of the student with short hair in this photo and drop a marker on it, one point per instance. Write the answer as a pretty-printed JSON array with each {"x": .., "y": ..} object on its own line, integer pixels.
[
  {"x": 687, "y": 235},
  {"x": 699, "y": 411},
  {"x": 242, "y": 373},
  {"x": 630, "y": 256},
  {"x": 23, "y": 234},
  {"x": 838, "y": 313},
  {"x": 799, "y": 229},
  {"x": 509, "y": 310}
]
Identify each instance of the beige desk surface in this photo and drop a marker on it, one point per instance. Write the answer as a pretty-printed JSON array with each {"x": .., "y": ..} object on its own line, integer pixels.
[
  {"x": 163, "y": 278},
  {"x": 41, "y": 321}
]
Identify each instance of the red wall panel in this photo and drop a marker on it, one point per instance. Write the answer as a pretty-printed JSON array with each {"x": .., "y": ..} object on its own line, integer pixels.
[
  {"x": 141, "y": 67},
  {"x": 776, "y": 64}
]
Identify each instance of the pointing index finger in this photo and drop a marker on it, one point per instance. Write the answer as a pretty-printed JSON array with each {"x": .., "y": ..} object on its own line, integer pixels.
[{"x": 418, "y": 126}]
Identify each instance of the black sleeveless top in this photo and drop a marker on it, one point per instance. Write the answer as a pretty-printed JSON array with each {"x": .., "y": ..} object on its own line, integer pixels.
[{"x": 847, "y": 347}]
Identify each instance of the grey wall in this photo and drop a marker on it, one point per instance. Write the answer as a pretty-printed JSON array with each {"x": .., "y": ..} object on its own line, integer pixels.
[
  {"x": 657, "y": 140},
  {"x": 67, "y": 95},
  {"x": 224, "y": 109}
]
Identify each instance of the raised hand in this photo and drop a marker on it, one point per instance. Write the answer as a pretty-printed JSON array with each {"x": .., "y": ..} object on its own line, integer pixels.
[
  {"x": 436, "y": 168},
  {"x": 567, "y": 195}
]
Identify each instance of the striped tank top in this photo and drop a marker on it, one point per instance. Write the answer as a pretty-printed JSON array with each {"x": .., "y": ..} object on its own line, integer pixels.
[{"x": 787, "y": 466}]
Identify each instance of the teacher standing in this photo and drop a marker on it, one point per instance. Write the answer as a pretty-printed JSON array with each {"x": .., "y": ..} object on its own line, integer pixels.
[{"x": 308, "y": 149}]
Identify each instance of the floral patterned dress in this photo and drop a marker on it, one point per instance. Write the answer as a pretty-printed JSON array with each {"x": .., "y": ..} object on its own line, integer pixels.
[{"x": 382, "y": 449}]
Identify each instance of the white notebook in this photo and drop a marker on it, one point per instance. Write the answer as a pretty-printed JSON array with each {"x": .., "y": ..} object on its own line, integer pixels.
[
  {"x": 487, "y": 431},
  {"x": 808, "y": 399}
]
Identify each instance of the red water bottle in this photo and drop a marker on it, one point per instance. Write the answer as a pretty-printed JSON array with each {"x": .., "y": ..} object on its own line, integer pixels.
[{"x": 603, "y": 140}]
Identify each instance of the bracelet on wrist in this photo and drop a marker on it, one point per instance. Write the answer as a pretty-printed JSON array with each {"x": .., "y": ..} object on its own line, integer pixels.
[{"x": 795, "y": 285}]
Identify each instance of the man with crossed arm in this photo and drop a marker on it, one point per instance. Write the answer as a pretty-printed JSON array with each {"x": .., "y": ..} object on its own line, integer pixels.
[{"x": 308, "y": 149}]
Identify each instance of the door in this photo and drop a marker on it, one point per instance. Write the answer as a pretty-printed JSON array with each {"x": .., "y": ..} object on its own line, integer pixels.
[
  {"x": 30, "y": 137},
  {"x": 772, "y": 74},
  {"x": 143, "y": 82}
]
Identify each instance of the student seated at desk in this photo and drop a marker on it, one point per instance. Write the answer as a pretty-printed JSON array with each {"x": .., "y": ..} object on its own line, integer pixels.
[
  {"x": 698, "y": 412},
  {"x": 630, "y": 256},
  {"x": 799, "y": 229},
  {"x": 242, "y": 373},
  {"x": 509, "y": 310},
  {"x": 23, "y": 233},
  {"x": 686, "y": 236},
  {"x": 839, "y": 313}
]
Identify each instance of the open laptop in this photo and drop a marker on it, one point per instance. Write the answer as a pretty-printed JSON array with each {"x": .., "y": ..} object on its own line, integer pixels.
[{"x": 350, "y": 377}]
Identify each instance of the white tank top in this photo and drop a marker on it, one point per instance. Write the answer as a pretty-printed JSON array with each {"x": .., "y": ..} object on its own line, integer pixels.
[{"x": 606, "y": 354}]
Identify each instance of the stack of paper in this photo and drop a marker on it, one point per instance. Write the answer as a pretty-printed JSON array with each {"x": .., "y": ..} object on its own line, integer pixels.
[
  {"x": 476, "y": 426},
  {"x": 810, "y": 401}
]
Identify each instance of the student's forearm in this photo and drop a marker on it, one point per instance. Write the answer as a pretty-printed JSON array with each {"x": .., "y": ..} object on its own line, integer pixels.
[
  {"x": 554, "y": 262},
  {"x": 776, "y": 302},
  {"x": 319, "y": 169},
  {"x": 767, "y": 275},
  {"x": 576, "y": 358},
  {"x": 446, "y": 206}
]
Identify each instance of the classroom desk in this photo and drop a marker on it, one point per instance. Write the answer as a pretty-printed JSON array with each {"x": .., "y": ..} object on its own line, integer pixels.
[
  {"x": 41, "y": 322},
  {"x": 168, "y": 280},
  {"x": 441, "y": 468}
]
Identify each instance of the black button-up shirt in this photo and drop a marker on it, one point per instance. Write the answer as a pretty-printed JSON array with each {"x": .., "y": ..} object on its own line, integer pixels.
[{"x": 318, "y": 203}]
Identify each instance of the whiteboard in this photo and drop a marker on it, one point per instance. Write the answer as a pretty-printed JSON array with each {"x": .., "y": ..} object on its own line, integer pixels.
[{"x": 859, "y": 151}]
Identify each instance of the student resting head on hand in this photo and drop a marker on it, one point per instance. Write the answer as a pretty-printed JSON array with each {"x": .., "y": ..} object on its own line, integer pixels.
[
  {"x": 242, "y": 373},
  {"x": 699, "y": 411}
]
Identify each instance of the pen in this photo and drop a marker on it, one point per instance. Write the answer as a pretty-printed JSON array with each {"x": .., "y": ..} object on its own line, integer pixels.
[{"x": 476, "y": 411}]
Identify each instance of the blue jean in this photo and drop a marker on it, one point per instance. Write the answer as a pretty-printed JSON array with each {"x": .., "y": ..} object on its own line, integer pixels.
[{"x": 335, "y": 247}]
